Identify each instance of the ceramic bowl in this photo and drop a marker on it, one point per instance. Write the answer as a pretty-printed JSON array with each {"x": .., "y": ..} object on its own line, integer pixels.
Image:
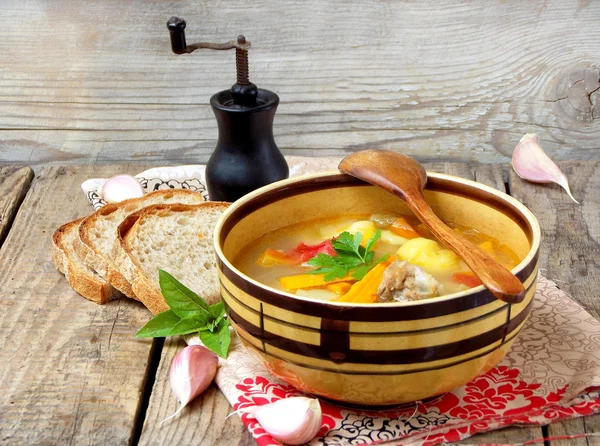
[{"x": 385, "y": 353}]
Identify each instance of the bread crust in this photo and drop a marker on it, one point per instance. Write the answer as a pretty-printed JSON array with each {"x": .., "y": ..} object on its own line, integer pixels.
[
  {"x": 96, "y": 260},
  {"x": 83, "y": 280},
  {"x": 143, "y": 286},
  {"x": 58, "y": 257}
]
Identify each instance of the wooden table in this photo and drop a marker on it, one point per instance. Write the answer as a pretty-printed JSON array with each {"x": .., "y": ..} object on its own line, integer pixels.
[{"x": 72, "y": 373}]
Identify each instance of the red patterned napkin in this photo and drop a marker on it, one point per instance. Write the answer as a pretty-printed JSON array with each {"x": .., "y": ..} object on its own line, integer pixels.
[{"x": 551, "y": 373}]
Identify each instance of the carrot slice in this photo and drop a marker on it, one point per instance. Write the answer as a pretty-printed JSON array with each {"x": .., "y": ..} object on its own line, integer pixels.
[
  {"x": 301, "y": 281},
  {"x": 469, "y": 279},
  {"x": 339, "y": 288},
  {"x": 365, "y": 290},
  {"x": 273, "y": 257},
  {"x": 402, "y": 228}
]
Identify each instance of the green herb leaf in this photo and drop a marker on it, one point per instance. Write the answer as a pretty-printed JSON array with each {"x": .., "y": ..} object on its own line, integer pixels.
[
  {"x": 183, "y": 301},
  {"x": 338, "y": 273},
  {"x": 219, "y": 340},
  {"x": 191, "y": 324},
  {"x": 324, "y": 261},
  {"x": 351, "y": 256},
  {"x": 356, "y": 244},
  {"x": 188, "y": 313},
  {"x": 217, "y": 311},
  {"x": 362, "y": 271},
  {"x": 333, "y": 267},
  {"x": 344, "y": 243},
  {"x": 374, "y": 238},
  {"x": 159, "y": 326}
]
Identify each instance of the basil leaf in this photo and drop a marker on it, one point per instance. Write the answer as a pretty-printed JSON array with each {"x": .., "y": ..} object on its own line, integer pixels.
[
  {"x": 192, "y": 324},
  {"x": 219, "y": 340},
  {"x": 183, "y": 301},
  {"x": 217, "y": 311},
  {"x": 159, "y": 326}
]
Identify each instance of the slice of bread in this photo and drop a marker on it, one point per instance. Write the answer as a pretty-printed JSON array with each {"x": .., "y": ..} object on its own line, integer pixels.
[
  {"x": 177, "y": 238},
  {"x": 82, "y": 279},
  {"x": 98, "y": 232}
]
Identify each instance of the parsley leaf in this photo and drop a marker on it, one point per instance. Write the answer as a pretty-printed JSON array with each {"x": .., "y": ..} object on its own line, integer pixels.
[
  {"x": 351, "y": 257},
  {"x": 361, "y": 271}
]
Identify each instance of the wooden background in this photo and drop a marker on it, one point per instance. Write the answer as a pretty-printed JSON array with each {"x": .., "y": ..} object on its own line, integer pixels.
[{"x": 95, "y": 81}]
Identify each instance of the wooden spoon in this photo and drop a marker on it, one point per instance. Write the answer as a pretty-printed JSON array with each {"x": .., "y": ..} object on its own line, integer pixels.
[{"x": 406, "y": 178}]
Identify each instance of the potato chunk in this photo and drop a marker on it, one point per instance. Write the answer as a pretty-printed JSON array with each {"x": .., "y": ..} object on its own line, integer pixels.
[
  {"x": 365, "y": 227},
  {"x": 428, "y": 253}
]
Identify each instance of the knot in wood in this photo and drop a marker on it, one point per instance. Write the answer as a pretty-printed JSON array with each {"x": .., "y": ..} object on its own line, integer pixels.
[{"x": 577, "y": 94}]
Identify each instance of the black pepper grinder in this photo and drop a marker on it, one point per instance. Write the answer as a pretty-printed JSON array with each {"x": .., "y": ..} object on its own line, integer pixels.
[{"x": 246, "y": 156}]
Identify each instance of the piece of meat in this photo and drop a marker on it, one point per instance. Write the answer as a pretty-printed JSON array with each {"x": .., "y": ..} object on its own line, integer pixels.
[{"x": 405, "y": 282}]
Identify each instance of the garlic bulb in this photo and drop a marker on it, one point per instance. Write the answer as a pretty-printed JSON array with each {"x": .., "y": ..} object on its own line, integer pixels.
[
  {"x": 532, "y": 164},
  {"x": 294, "y": 420},
  {"x": 191, "y": 372},
  {"x": 119, "y": 188}
]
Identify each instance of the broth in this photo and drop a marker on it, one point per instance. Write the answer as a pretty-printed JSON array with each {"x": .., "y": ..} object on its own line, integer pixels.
[{"x": 275, "y": 255}]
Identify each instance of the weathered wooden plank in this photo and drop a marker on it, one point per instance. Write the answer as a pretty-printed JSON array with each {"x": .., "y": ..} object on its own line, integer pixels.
[
  {"x": 592, "y": 424},
  {"x": 491, "y": 175},
  {"x": 70, "y": 370},
  {"x": 14, "y": 184},
  {"x": 568, "y": 427},
  {"x": 571, "y": 232},
  {"x": 570, "y": 248},
  {"x": 202, "y": 422},
  {"x": 348, "y": 76}
]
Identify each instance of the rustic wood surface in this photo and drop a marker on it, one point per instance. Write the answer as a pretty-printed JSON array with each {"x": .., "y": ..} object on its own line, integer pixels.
[
  {"x": 437, "y": 79},
  {"x": 77, "y": 376},
  {"x": 204, "y": 420},
  {"x": 70, "y": 371},
  {"x": 570, "y": 251},
  {"x": 571, "y": 244},
  {"x": 14, "y": 184}
]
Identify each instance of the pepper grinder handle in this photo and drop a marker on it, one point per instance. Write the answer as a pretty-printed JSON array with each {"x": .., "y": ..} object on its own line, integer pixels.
[
  {"x": 176, "y": 27},
  {"x": 243, "y": 91},
  {"x": 246, "y": 156}
]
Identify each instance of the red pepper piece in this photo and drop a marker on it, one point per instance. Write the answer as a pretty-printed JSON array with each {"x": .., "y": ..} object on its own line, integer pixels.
[
  {"x": 468, "y": 279},
  {"x": 304, "y": 252}
]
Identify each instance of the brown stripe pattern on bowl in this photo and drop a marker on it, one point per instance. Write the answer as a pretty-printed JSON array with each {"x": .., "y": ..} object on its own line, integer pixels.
[{"x": 375, "y": 354}]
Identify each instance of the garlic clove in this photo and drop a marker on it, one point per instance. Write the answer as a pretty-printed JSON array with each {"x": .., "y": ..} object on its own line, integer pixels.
[
  {"x": 191, "y": 372},
  {"x": 119, "y": 188},
  {"x": 293, "y": 421},
  {"x": 531, "y": 163}
]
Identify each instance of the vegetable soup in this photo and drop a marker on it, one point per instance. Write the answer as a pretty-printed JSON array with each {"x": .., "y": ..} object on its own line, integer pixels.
[{"x": 365, "y": 259}]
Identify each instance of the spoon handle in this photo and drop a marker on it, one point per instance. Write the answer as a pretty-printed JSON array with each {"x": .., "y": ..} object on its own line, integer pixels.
[{"x": 501, "y": 282}]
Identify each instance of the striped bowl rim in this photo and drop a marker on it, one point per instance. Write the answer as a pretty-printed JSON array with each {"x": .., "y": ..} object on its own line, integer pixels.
[{"x": 372, "y": 311}]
